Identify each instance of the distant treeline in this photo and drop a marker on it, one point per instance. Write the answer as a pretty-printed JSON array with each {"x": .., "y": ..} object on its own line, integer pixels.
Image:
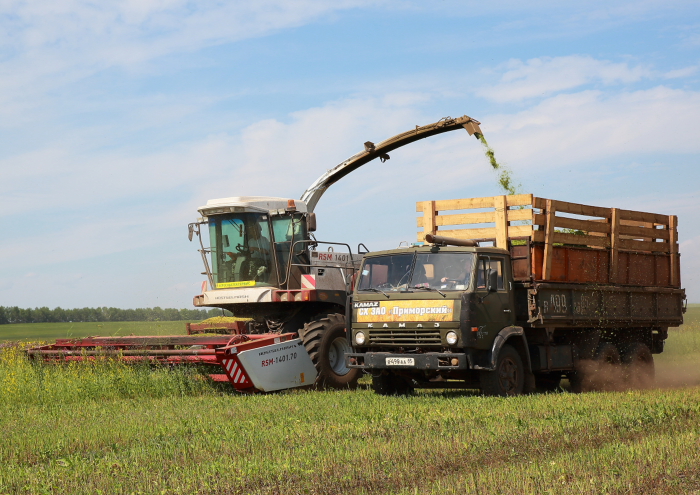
[{"x": 45, "y": 315}]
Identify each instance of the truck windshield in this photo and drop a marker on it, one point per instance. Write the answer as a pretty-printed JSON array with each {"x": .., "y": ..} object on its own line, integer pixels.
[
  {"x": 241, "y": 254},
  {"x": 442, "y": 271},
  {"x": 384, "y": 273}
]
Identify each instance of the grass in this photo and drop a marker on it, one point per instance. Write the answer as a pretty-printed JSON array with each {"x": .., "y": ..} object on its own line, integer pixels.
[
  {"x": 52, "y": 331},
  {"x": 107, "y": 428}
]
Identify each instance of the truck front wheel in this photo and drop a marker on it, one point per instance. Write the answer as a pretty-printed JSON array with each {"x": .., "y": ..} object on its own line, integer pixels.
[
  {"x": 548, "y": 382},
  {"x": 391, "y": 384},
  {"x": 509, "y": 376},
  {"x": 326, "y": 343}
]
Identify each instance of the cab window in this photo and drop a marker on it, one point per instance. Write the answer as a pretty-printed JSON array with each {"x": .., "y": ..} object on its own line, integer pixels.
[{"x": 483, "y": 266}]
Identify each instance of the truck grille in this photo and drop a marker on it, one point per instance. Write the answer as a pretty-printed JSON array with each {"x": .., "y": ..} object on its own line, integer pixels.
[{"x": 404, "y": 337}]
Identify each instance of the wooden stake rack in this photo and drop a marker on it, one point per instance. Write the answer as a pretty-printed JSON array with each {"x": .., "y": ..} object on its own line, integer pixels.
[{"x": 564, "y": 241}]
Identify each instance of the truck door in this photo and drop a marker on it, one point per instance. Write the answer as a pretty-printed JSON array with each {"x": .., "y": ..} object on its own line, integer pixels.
[{"x": 495, "y": 309}]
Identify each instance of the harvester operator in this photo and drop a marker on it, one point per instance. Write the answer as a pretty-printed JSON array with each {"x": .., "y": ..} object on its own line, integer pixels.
[{"x": 259, "y": 247}]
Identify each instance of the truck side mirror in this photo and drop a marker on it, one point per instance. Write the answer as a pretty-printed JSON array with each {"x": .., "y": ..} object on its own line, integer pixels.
[
  {"x": 492, "y": 278},
  {"x": 311, "y": 222}
]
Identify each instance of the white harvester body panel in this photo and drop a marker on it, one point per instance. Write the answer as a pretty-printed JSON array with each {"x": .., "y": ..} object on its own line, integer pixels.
[
  {"x": 332, "y": 270},
  {"x": 238, "y": 295},
  {"x": 279, "y": 366}
]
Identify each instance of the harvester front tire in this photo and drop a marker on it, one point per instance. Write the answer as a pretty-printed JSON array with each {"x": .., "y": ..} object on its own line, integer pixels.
[{"x": 326, "y": 343}]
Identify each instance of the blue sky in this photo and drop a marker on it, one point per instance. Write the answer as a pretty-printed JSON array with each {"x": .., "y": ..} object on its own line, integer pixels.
[{"x": 119, "y": 119}]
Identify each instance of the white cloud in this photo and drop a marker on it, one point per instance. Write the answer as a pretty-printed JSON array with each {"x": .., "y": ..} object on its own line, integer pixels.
[
  {"x": 124, "y": 32},
  {"x": 53, "y": 44},
  {"x": 584, "y": 126},
  {"x": 540, "y": 77},
  {"x": 680, "y": 73}
]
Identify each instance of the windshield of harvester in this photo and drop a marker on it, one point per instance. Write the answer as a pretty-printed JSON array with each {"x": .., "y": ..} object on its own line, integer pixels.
[
  {"x": 241, "y": 254},
  {"x": 241, "y": 248},
  {"x": 401, "y": 272}
]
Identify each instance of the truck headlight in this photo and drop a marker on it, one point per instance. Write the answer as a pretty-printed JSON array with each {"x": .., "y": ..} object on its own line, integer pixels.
[
  {"x": 360, "y": 338},
  {"x": 451, "y": 338}
]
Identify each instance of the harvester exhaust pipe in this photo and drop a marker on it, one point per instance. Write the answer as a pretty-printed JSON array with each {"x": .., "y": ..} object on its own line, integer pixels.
[{"x": 439, "y": 240}]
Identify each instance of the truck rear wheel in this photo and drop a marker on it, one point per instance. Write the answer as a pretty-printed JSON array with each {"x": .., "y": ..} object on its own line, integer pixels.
[
  {"x": 603, "y": 372},
  {"x": 638, "y": 366},
  {"x": 326, "y": 343},
  {"x": 391, "y": 384},
  {"x": 509, "y": 376}
]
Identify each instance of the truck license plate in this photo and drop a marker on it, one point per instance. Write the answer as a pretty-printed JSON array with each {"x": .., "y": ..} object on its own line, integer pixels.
[{"x": 394, "y": 361}]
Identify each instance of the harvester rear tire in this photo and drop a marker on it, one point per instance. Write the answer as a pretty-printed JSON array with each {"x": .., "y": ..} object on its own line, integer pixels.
[{"x": 326, "y": 342}]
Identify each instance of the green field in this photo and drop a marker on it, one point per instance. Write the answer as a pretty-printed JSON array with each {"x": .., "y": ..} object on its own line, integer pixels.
[
  {"x": 52, "y": 331},
  {"x": 109, "y": 428}
]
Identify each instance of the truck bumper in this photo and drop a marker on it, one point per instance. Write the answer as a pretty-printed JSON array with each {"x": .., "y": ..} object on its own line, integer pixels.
[{"x": 426, "y": 361}]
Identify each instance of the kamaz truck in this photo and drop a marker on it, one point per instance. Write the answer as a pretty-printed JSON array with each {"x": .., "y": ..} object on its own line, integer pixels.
[{"x": 540, "y": 294}]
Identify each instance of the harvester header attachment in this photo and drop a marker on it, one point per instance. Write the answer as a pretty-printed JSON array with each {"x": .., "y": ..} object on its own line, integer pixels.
[{"x": 264, "y": 362}]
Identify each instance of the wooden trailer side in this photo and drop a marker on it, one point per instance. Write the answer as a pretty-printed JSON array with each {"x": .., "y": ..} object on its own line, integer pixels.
[{"x": 559, "y": 241}]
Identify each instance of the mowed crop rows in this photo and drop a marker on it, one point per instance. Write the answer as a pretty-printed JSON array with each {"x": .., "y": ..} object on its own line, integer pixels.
[{"x": 105, "y": 427}]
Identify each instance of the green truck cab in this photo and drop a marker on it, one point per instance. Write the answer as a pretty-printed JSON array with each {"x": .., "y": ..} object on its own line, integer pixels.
[
  {"x": 452, "y": 316},
  {"x": 426, "y": 315}
]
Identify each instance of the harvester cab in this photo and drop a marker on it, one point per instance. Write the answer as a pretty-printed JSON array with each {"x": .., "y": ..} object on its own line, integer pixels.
[
  {"x": 263, "y": 263},
  {"x": 252, "y": 240},
  {"x": 262, "y": 253}
]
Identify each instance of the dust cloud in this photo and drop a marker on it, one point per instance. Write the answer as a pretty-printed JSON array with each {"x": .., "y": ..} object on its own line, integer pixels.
[
  {"x": 667, "y": 373},
  {"x": 678, "y": 372}
]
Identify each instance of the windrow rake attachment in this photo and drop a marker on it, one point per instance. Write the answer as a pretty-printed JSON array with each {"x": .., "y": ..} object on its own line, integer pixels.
[{"x": 251, "y": 363}]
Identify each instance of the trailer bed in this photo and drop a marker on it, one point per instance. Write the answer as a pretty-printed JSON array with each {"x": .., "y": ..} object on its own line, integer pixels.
[{"x": 602, "y": 306}]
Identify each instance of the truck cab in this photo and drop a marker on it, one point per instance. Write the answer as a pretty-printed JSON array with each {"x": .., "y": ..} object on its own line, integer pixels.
[{"x": 426, "y": 315}]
